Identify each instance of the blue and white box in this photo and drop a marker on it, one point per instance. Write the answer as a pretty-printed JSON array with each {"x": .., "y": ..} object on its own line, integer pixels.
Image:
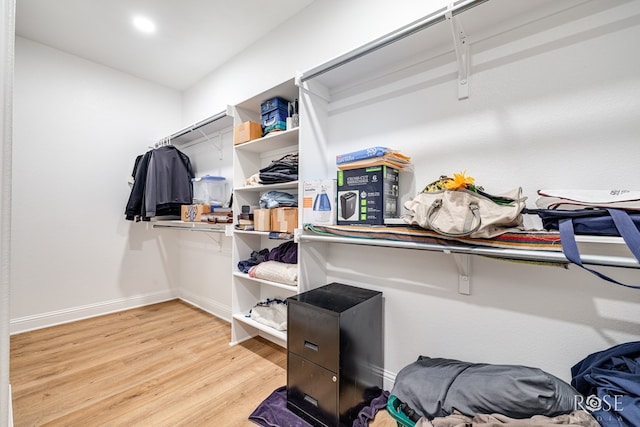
[{"x": 319, "y": 202}]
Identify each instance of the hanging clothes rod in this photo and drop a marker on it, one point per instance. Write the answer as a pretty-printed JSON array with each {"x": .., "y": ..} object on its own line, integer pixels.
[
  {"x": 211, "y": 124},
  {"x": 199, "y": 125},
  {"x": 163, "y": 142},
  {"x": 419, "y": 25},
  {"x": 192, "y": 226}
]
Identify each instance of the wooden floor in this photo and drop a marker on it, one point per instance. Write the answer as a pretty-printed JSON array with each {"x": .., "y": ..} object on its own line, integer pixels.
[{"x": 167, "y": 364}]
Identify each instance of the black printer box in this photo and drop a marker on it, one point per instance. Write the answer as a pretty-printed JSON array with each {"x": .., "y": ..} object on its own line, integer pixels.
[{"x": 367, "y": 195}]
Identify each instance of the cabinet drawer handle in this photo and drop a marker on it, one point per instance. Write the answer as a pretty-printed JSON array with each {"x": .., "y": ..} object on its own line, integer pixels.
[
  {"x": 310, "y": 345},
  {"x": 311, "y": 400}
]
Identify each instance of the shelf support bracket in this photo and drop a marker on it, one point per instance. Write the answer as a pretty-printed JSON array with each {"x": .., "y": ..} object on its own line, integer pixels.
[
  {"x": 218, "y": 145},
  {"x": 463, "y": 262},
  {"x": 462, "y": 54},
  {"x": 216, "y": 239}
]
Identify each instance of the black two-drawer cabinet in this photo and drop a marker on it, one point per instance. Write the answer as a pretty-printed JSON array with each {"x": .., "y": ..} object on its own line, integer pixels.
[{"x": 334, "y": 353}]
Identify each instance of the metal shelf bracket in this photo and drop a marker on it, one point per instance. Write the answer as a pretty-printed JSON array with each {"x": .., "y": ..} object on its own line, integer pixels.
[
  {"x": 463, "y": 262},
  {"x": 462, "y": 54},
  {"x": 217, "y": 145}
]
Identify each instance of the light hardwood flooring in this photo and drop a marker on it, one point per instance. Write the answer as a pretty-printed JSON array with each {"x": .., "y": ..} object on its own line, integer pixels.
[{"x": 167, "y": 364}]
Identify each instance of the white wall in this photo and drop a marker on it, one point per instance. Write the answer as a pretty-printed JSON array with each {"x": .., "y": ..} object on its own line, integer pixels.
[
  {"x": 78, "y": 127},
  {"x": 205, "y": 257},
  {"x": 542, "y": 113},
  {"x": 320, "y": 32}
]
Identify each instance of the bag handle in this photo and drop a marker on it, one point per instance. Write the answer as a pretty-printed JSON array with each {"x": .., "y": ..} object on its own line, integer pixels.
[
  {"x": 475, "y": 212},
  {"x": 570, "y": 247},
  {"x": 627, "y": 229}
]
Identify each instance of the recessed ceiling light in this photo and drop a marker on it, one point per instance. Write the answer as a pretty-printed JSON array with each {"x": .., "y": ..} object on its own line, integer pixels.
[{"x": 144, "y": 25}]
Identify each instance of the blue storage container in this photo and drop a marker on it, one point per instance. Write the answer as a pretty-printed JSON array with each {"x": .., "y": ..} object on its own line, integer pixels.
[
  {"x": 275, "y": 120},
  {"x": 273, "y": 104}
]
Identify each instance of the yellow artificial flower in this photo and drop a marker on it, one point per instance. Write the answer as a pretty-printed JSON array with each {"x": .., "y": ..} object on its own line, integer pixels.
[{"x": 459, "y": 181}]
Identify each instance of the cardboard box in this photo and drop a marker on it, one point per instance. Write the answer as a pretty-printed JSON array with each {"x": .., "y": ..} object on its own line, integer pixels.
[
  {"x": 367, "y": 195},
  {"x": 319, "y": 202},
  {"x": 193, "y": 213},
  {"x": 246, "y": 131},
  {"x": 284, "y": 220},
  {"x": 262, "y": 220}
]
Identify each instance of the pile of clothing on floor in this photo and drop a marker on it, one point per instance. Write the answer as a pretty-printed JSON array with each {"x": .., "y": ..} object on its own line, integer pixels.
[{"x": 604, "y": 391}]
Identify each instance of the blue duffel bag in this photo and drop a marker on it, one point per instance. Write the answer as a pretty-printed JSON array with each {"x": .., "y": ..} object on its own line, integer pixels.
[
  {"x": 610, "y": 382},
  {"x": 592, "y": 221}
]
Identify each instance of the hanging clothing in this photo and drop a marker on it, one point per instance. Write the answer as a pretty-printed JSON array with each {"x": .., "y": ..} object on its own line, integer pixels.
[
  {"x": 162, "y": 184},
  {"x": 133, "y": 210}
]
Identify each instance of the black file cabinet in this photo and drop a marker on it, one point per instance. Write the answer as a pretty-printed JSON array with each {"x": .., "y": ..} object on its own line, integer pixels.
[{"x": 335, "y": 353}]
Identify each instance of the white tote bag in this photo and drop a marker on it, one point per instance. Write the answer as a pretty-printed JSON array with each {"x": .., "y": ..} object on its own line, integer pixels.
[
  {"x": 581, "y": 199},
  {"x": 464, "y": 213}
]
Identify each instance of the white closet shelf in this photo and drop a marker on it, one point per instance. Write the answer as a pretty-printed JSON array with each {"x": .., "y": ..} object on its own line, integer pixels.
[
  {"x": 272, "y": 141},
  {"x": 260, "y": 188},
  {"x": 286, "y": 90},
  {"x": 242, "y": 317},
  {"x": 513, "y": 254},
  {"x": 292, "y": 288}
]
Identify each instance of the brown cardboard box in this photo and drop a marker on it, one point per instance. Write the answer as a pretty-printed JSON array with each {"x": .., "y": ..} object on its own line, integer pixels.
[
  {"x": 246, "y": 131},
  {"x": 193, "y": 213},
  {"x": 262, "y": 220},
  {"x": 284, "y": 220}
]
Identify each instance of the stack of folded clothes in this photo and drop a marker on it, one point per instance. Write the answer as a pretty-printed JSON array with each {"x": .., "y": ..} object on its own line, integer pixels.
[
  {"x": 373, "y": 156},
  {"x": 284, "y": 169}
]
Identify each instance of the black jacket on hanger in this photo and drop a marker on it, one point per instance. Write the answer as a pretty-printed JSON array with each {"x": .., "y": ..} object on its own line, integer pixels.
[{"x": 162, "y": 184}]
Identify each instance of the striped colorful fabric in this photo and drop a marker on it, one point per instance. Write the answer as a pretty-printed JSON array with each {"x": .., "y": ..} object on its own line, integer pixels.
[{"x": 531, "y": 240}]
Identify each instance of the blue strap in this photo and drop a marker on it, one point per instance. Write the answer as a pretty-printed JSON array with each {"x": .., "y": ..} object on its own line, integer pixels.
[
  {"x": 627, "y": 229},
  {"x": 570, "y": 250}
]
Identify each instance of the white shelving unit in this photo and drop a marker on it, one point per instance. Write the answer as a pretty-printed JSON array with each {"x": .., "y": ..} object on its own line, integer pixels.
[{"x": 248, "y": 159}]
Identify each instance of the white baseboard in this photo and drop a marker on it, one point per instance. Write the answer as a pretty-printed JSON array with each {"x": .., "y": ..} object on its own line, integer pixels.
[
  {"x": 206, "y": 304},
  {"x": 388, "y": 379},
  {"x": 52, "y": 318}
]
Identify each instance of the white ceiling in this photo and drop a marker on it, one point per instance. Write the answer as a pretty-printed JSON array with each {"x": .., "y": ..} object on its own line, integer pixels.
[{"x": 193, "y": 37}]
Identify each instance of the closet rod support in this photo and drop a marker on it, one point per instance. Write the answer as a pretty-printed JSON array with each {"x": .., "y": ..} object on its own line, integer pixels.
[
  {"x": 462, "y": 54},
  {"x": 210, "y": 139}
]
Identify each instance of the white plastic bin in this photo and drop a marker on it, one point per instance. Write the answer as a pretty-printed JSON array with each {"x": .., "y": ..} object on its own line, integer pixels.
[{"x": 209, "y": 190}]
